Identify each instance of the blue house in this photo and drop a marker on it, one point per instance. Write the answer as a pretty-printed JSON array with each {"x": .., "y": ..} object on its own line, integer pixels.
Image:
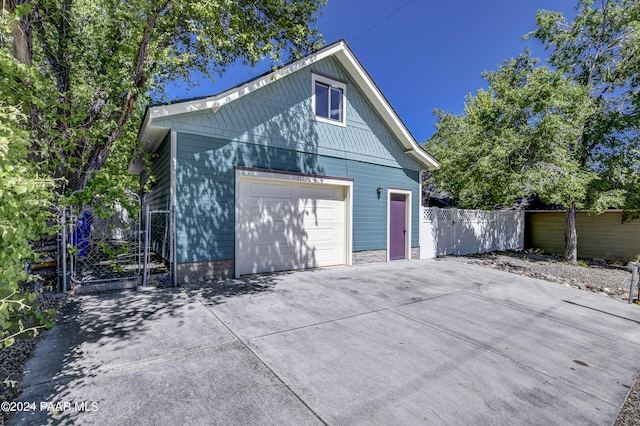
[{"x": 302, "y": 167}]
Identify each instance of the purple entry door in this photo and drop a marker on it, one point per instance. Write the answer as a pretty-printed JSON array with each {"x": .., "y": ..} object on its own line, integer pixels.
[{"x": 397, "y": 226}]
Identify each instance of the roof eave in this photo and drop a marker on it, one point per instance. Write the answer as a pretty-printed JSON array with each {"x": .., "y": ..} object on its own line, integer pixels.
[
  {"x": 215, "y": 102},
  {"x": 389, "y": 115},
  {"x": 149, "y": 134}
]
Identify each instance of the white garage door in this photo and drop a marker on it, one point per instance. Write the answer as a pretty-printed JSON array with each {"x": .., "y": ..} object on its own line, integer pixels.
[{"x": 284, "y": 225}]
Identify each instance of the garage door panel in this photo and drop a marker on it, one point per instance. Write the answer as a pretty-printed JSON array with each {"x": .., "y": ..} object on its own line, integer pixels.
[
  {"x": 269, "y": 258},
  {"x": 322, "y": 235},
  {"x": 284, "y": 226},
  {"x": 312, "y": 222},
  {"x": 326, "y": 247},
  {"x": 312, "y": 193},
  {"x": 327, "y": 212},
  {"x": 323, "y": 257},
  {"x": 276, "y": 248},
  {"x": 321, "y": 207},
  {"x": 266, "y": 227},
  {"x": 268, "y": 239},
  {"x": 270, "y": 210},
  {"x": 269, "y": 190}
]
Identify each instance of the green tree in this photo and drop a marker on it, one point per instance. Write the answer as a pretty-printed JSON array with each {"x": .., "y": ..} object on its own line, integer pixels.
[
  {"x": 519, "y": 137},
  {"x": 577, "y": 121},
  {"x": 75, "y": 77},
  {"x": 25, "y": 197},
  {"x": 98, "y": 62},
  {"x": 600, "y": 50}
]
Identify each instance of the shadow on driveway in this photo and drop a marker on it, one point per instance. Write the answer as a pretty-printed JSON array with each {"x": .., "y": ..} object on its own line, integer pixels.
[{"x": 405, "y": 342}]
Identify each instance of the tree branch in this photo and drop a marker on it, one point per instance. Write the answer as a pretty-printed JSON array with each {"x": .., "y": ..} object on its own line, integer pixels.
[{"x": 99, "y": 154}]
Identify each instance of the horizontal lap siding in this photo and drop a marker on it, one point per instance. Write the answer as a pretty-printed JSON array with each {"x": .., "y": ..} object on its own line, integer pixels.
[
  {"x": 603, "y": 236},
  {"x": 272, "y": 128},
  {"x": 206, "y": 199},
  {"x": 159, "y": 196},
  {"x": 370, "y": 213},
  {"x": 280, "y": 115}
]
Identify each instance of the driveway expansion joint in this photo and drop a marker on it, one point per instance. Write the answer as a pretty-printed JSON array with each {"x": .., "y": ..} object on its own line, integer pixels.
[
  {"x": 266, "y": 366},
  {"x": 502, "y": 344}
]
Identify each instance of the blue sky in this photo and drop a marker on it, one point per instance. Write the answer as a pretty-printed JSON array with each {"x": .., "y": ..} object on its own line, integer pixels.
[{"x": 428, "y": 54}]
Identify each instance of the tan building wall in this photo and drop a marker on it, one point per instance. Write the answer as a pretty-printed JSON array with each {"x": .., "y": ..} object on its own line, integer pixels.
[{"x": 603, "y": 236}]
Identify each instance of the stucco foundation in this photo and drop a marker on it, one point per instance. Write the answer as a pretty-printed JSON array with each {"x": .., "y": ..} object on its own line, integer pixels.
[
  {"x": 225, "y": 269},
  {"x": 206, "y": 271},
  {"x": 377, "y": 256},
  {"x": 369, "y": 256},
  {"x": 415, "y": 253}
]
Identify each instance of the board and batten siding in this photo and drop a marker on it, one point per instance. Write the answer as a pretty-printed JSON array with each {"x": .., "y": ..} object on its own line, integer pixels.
[
  {"x": 604, "y": 236},
  {"x": 206, "y": 188}
]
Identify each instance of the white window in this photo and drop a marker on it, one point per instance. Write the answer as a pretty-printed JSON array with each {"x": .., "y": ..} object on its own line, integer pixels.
[{"x": 329, "y": 100}]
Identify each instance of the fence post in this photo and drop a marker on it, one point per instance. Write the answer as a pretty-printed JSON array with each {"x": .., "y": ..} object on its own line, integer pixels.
[
  {"x": 422, "y": 232},
  {"x": 498, "y": 236},
  {"x": 145, "y": 250},
  {"x": 520, "y": 226},
  {"x": 454, "y": 231},
  {"x": 174, "y": 246},
  {"x": 433, "y": 237},
  {"x": 634, "y": 282},
  {"x": 72, "y": 259},
  {"x": 63, "y": 246},
  {"x": 428, "y": 240},
  {"x": 479, "y": 226}
]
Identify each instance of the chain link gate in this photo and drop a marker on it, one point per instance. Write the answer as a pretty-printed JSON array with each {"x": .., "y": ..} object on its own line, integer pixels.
[
  {"x": 103, "y": 241},
  {"x": 159, "y": 247},
  {"x": 117, "y": 241}
]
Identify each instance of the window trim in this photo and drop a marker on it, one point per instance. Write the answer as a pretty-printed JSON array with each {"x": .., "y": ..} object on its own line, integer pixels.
[{"x": 332, "y": 83}]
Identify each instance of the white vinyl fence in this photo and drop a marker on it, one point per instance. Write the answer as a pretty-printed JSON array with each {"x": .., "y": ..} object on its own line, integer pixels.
[{"x": 460, "y": 232}]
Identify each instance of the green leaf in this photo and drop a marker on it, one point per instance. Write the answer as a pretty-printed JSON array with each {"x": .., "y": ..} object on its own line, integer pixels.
[{"x": 23, "y": 10}]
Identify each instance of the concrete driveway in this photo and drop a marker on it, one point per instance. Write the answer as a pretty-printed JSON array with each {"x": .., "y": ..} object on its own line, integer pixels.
[{"x": 409, "y": 342}]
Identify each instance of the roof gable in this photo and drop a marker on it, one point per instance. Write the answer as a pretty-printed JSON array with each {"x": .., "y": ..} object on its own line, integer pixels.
[{"x": 149, "y": 134}]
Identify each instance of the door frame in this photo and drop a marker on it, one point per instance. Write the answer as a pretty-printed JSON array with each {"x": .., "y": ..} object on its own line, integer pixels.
[
  {"x": 276, "y": 176},
  {"x": 407, "y": 221}
]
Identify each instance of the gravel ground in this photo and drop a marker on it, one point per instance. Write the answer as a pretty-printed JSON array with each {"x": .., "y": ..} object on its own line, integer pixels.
[
  {"x": 612, "y": 280},
  {"x": 13, "y": 358},
  {"x": 630, "y": 413},
  {"x": 597, "y": 276},
  {"x": 12, "y": 361}
]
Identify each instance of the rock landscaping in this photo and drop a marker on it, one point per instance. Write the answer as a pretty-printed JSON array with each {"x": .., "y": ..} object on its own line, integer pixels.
[{"x": 611, "y": 279}]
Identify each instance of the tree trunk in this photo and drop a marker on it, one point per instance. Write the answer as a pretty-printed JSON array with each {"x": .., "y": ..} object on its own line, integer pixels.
[
  {"x": 22, "y": 37},
  {"x": 571, "y": 236}
]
